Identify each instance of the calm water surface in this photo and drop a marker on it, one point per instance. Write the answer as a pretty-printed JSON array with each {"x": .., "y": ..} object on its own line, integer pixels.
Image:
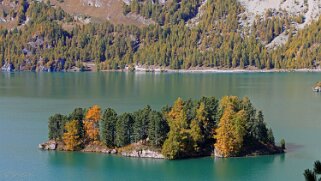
[{"x": 27, "y": 100}]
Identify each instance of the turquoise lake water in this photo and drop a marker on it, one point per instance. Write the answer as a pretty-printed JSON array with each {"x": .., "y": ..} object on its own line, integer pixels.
[{"x": 28, "y": 99}]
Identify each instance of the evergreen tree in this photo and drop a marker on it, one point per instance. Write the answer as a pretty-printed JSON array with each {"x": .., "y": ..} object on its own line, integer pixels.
[
  {"x": 157, "y": 128},
  {"x": 141, "y": 122},
  {"x": 108, "y": 127},
  {"x": 124, "y": 130},
  {"x": 78, "y": 115},
  {"x": 270, "y": 137},
  {"x": 56, "y": 126},
  {"x": 260, "y": 132}
]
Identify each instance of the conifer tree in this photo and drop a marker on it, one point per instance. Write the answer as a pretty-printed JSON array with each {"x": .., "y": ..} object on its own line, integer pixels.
[
  {"x": 231, "y": 128},
  {"x": 91, "y": 124},
  {"x": 71, "y": 136},
  {"x": 108, "y": 127}
]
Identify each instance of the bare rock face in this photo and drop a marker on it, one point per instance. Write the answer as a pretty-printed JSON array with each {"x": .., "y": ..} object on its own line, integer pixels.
[
  {"x": 309, "y": 9},
  {"x": 151, "y": 154},
  {"x": 50, "y": 145},
  {"x": 7, "y": 67},
  {"x": 218, "y": 154},
  {"x": 94, "y": 3},
  {"x": 109, "y": 151},
  {"x": 133, "y": 153},
  {"x": 113, "y": 151},
  {"x": 143, "y": 154},
  {"x": 127, "y": 2}
]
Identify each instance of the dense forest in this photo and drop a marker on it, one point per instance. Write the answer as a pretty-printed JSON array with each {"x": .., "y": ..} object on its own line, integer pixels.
[
  {"x": 186, "y": 129},
  {"x": 217, "y": 40},
  {"x": 171, "y": 12}
]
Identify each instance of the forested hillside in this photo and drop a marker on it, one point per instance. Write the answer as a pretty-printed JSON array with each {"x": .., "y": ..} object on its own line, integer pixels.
[{"x": 185, "y": 34}]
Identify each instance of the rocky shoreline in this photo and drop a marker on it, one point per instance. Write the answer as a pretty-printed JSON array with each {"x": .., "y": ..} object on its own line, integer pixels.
[
  {"x": 139, "y": 152},
  {"x": 143, "y": 154}
]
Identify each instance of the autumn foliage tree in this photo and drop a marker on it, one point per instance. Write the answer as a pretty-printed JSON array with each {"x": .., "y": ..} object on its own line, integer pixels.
[
  {"x": 71, "y": 136},
  {"x": 231, "y": 128},
  {"x": 241, "y": 128},
  {"x": 176, "y": 119},
  {"x": 184, "y": 136},
  {"x": 91, "y": 124}
]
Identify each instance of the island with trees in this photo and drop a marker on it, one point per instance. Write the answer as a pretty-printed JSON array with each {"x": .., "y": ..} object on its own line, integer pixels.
[
  {"x": 229, "y": 127},
  {"x": 317, "y": 87}
]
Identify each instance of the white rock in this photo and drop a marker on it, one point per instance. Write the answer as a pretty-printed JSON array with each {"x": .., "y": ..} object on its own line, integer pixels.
[
  {"x": 52, "y": 146},
  {"x": 113, "y": 151},
  {"x": 143, "y": 154},
  {"x": 218, "y": 154}
]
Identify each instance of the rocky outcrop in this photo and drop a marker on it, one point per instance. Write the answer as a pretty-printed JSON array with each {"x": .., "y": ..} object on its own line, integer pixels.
[
  {"x": 140, "y": 19},
  {"x": 99, "y": 148},
  {"x": 143, "y": 154},
  {"x": 109, "y": 151},
  {"x": 49, "y": 145},
  {"x": 127, "y": 2},
  {"x": 41, "y": 68},
  {"x": 94, "y": 3},
  {"x": 7, "y": 67},
  {"x": 258, "y": 9},
  {"x": 139, "y": 153},
  {"x": 218, "y": 154},
  {"x": 317, "y": 87},
  {"x": 59, "y": 146}
]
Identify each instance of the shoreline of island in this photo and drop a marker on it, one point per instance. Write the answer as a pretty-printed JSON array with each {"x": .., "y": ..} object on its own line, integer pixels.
[
  {"x": 226, "y": 127},
  {"x": 148, "y": 152},
  {"x": 140, "y": 151}
]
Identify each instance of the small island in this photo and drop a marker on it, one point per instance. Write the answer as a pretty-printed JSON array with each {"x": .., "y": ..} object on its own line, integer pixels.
[
  {"x": 317, "y": 87},
  {"x": 229, "y": 127}
]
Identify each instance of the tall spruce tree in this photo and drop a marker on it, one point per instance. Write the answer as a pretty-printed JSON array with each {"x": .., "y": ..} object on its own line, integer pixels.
[{"x": 108, "y": 127}]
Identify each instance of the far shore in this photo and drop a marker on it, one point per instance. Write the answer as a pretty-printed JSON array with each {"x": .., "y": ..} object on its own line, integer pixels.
[
  {"x": 209, "y": 70},
  {"x": 156, "y": 69}
]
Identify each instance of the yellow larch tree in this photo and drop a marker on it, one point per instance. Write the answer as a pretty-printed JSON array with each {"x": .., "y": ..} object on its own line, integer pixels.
[
  {"x": 174, "y": 145},
  {"x": 94, "y": 113},
  {"x": 71, "y": 137},
  {"x": 91, "y": 124},
  {"x": 231, "y": 128}
]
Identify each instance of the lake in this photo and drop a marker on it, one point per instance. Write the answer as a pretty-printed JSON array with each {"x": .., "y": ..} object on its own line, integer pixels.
[{"x": 28, "y": 99}]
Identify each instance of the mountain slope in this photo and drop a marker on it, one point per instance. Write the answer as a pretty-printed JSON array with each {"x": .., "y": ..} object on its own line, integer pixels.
[
  {"x": 99, "y": 11},
  {"x": 173, "y": 34}
]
